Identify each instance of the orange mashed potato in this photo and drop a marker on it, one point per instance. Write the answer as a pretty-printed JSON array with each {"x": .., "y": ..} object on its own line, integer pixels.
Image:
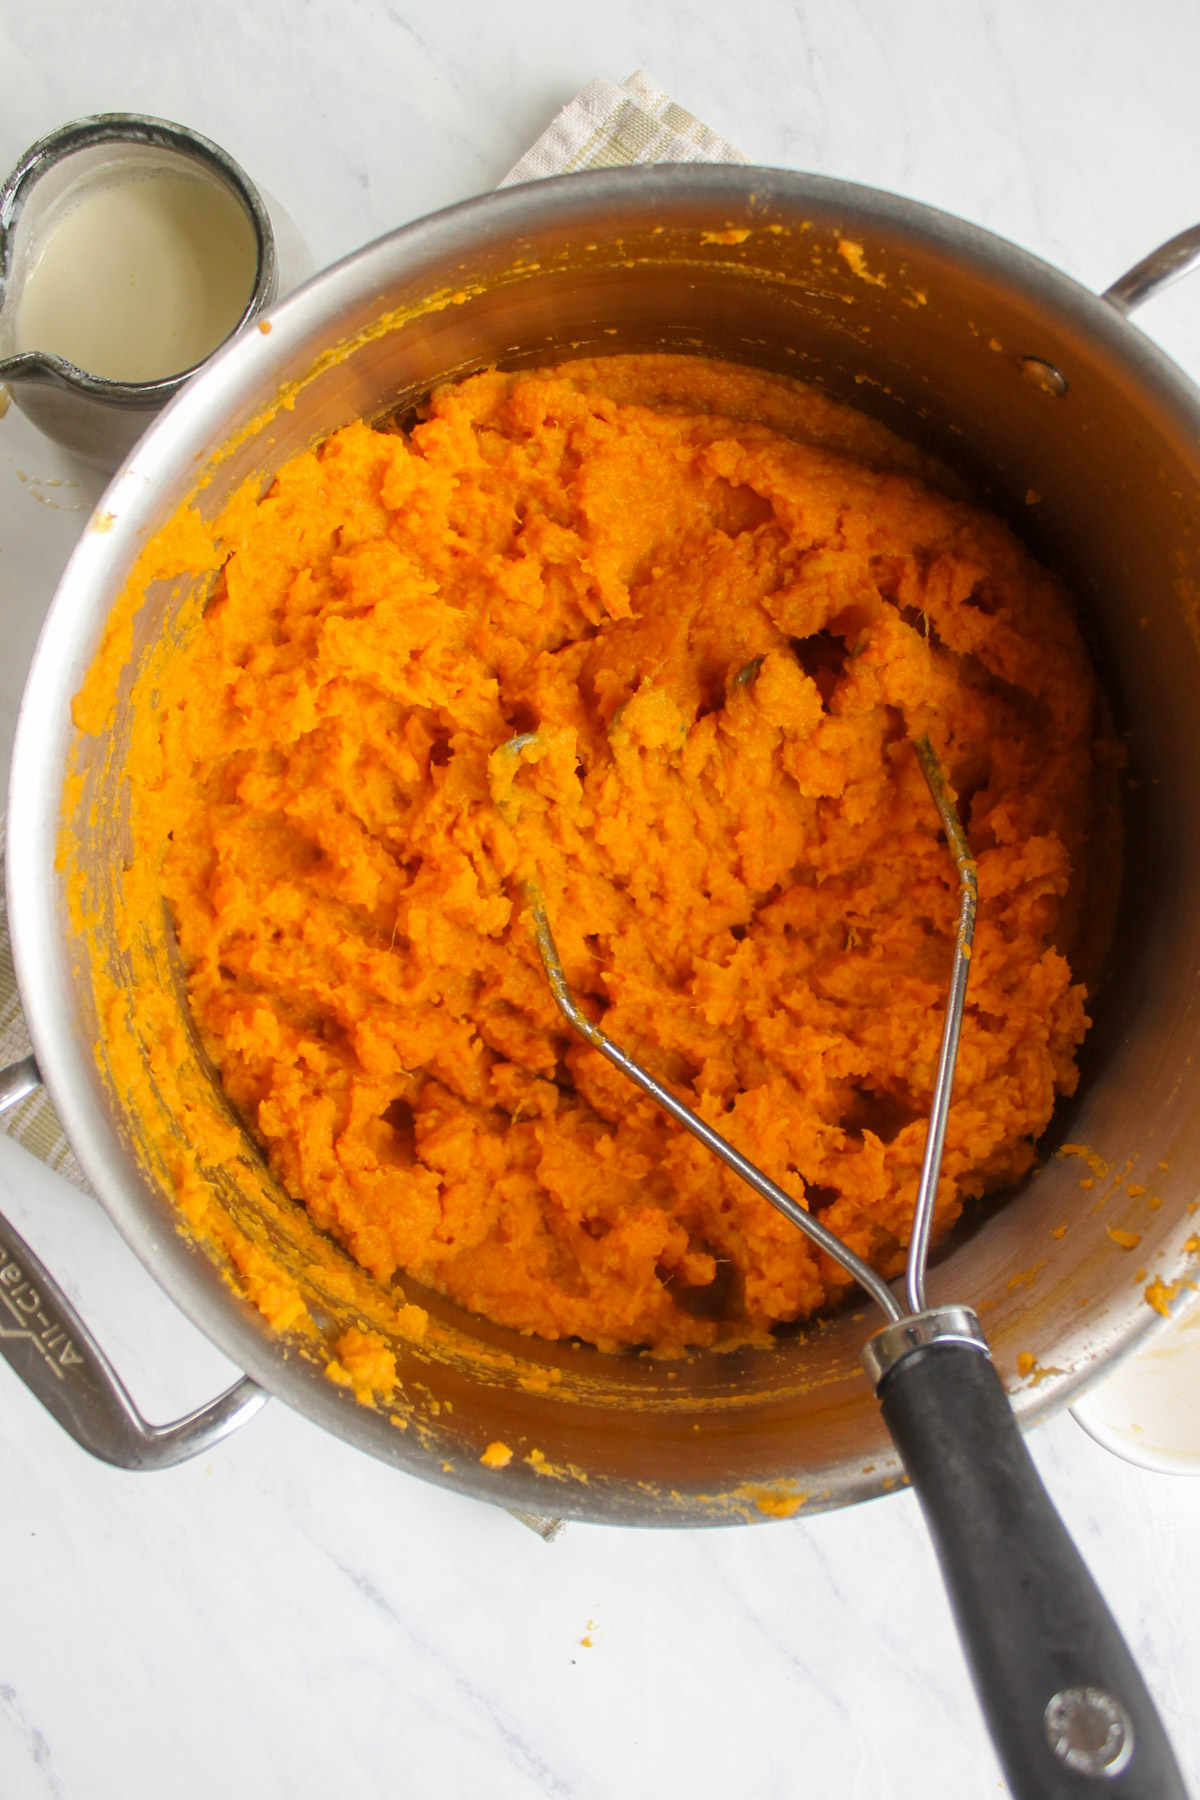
[{"x": 656, "y": 633}]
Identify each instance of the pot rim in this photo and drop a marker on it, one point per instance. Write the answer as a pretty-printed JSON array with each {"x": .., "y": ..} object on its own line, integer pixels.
[{"x": 176, "y": 449}]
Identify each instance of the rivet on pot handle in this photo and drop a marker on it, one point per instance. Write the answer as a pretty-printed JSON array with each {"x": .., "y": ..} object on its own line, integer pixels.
[
  {"x": 1178, "y": 256},
  {"x": 46, "y": 1343}
]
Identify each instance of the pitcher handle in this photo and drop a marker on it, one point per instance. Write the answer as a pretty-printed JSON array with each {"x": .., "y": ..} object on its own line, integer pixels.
[{"x": 44, "y": 1340}]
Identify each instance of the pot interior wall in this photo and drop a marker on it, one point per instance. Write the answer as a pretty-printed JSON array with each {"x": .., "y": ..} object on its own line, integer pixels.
[{"x": 924, "y": 324}]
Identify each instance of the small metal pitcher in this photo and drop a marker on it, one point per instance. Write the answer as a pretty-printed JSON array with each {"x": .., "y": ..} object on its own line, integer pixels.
[{"x": 98, "y": 418}]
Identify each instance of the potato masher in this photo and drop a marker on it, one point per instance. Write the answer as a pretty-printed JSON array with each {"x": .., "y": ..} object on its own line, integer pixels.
[{"x": 1064, "y": 1700}]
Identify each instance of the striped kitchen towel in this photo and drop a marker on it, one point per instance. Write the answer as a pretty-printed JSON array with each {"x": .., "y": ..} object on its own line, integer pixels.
[{"x": 608, "y": 126}]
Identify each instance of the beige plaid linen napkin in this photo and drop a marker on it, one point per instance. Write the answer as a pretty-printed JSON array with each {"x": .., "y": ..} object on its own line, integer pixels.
[
  {"x": 606, "y": 126},
  {"x": 609, "y": 126}
]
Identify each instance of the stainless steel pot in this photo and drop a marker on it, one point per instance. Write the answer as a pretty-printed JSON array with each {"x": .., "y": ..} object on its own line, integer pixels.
[{"x": 1021, "y": 380}]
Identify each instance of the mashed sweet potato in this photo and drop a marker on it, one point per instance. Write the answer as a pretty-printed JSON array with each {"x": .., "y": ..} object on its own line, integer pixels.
[{"x": 656, "y": 632}]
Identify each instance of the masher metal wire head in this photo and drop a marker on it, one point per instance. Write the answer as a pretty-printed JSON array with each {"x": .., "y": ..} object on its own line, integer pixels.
[{"x": 922, "y": 1224}]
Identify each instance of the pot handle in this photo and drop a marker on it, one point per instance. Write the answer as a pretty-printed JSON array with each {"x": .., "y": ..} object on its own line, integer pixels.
[
  {"x": 1067, "y": 1709},
  {"x": 1178, "y": 256},
  {"x": 44, "y": 1340}
]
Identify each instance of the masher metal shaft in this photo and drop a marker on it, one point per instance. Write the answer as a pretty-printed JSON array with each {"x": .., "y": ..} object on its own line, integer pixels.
[
  {"x": 741, "y": 1165},
  {"x": 939, "y": 1111}
]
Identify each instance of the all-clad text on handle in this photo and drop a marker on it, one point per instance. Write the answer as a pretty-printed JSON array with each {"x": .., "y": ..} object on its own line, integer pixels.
[{"x": 46, "y": 1343}]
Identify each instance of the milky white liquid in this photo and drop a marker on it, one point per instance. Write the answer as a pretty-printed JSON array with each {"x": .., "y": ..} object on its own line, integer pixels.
[
  {"x": 139, "y": 275},
  {"x": 1152, "y": 1401}
]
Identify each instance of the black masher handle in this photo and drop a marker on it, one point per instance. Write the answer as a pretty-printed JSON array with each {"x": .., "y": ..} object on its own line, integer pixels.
[{"x": 1059, "y": 1689}]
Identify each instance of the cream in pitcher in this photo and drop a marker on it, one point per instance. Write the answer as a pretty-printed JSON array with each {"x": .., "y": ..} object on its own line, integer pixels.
[{"x": 140, "y": 274}]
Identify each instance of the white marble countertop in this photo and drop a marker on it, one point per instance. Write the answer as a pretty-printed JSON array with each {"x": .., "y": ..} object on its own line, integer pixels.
[{"x": 287, "y": 1617}]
